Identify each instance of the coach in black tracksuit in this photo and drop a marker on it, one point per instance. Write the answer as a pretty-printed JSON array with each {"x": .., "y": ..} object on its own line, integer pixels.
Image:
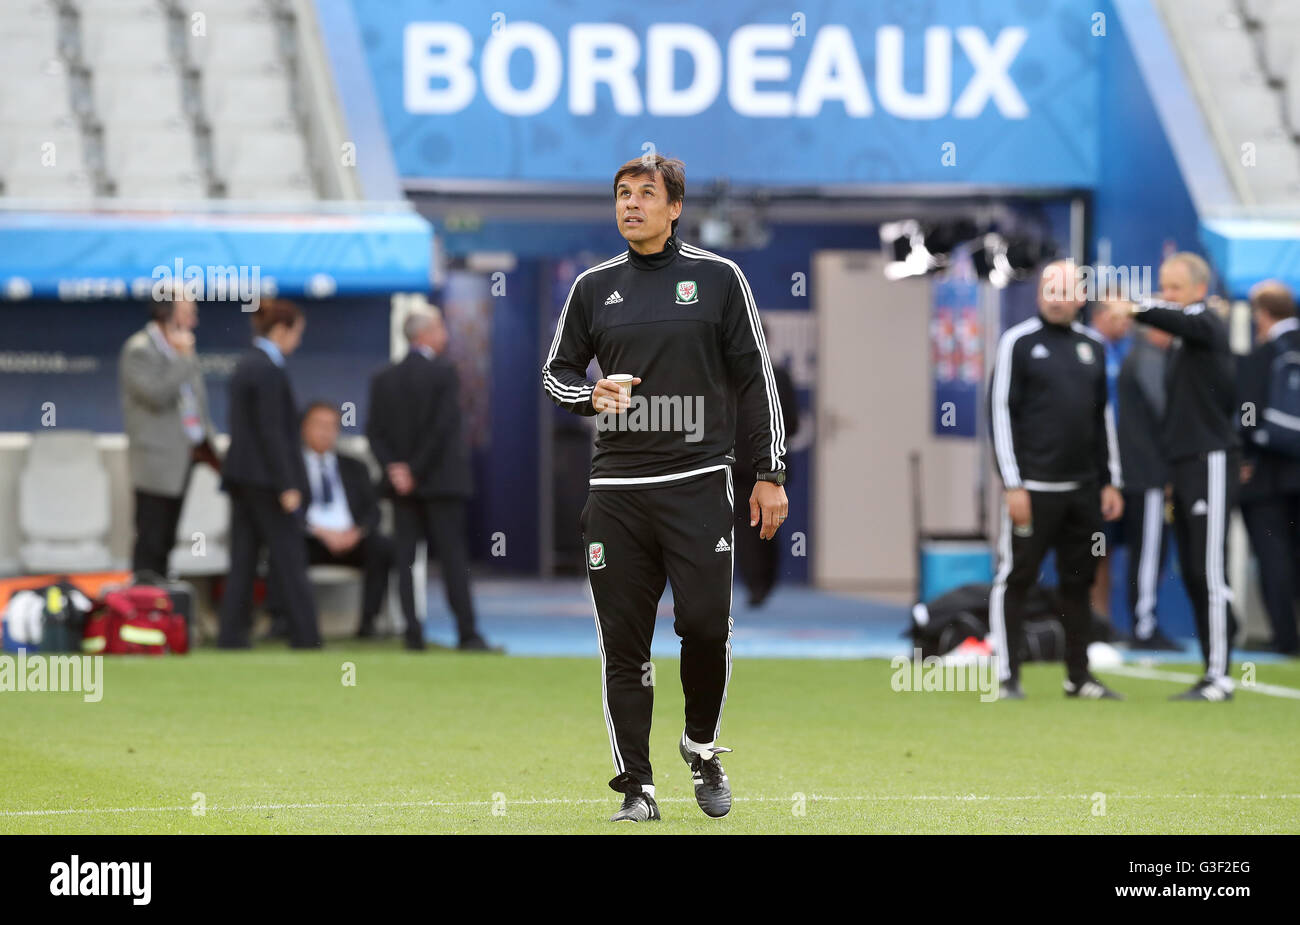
[
  {"x": 684, "y": 323},
  {"x": 1053, "y": 435},
  {"x": 1141, "y": 394},
  {"x": 1270, "y": 480},
  {"x": 262, "y": 474},
  {"x": 1199, "y": 436}
]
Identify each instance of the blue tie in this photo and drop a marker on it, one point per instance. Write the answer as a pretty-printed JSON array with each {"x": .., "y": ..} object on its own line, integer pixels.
[{"x": 326, "y": 482}]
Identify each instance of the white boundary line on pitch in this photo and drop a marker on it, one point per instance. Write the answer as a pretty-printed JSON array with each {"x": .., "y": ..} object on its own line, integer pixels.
[
  {"x": 1152, "y": 674},
  {"x": 813, "y": 798}
]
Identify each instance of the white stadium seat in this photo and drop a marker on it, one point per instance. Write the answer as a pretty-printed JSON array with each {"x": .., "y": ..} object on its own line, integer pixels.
[
  {"x": 206, "y": 510},
  {"x": 37, "y": 99},
  {"x": 110, "y": 42},
  {"x": 140, "y": 97},
  {"x": 131, "y": 151},
  {"x": 188, "y": 186},
  {"x": 75, "y": 186},
  {"x": 259, "y": 154},
  {"x": 63, "y": 504},
  {"x": 40, "y": 151},
  {"x": 261, "y": 101},
  {"x": 263, "y": 189},
  {"x": 238, "y": 48}
]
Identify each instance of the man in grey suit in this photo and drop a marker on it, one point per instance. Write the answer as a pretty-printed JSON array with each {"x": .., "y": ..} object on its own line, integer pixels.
[{"x": 165, "y": 413}]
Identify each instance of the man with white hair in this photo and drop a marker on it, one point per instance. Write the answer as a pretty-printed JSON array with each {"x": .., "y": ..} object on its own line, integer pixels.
[
  {"x": 414, "y": 428},
  {"x": 1199, "y": 436}
]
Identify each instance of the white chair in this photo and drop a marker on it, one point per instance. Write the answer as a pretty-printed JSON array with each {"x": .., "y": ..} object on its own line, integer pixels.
[
  {"x": 118, "y": 40},
  {"x": 63, "y": 504},
  {"x": 247, "y": 47},
  {"x": 39, "y": 99},
  {"x": 143, "y": 97},
  {"x": 203, "y": 532},
  {"x": 261, "y": 101},
  {"x": 147, "y": 151}
]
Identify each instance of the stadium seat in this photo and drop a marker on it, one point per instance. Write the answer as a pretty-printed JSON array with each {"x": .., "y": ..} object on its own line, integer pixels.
[
  {"x": 40, "y": 98},
  {"x": 237, "y": 48},
  {"x": 116, "y": 39},
  {"x": 40, "y": 162},
  {"x": 259, "y": 165},
  {"x": 150, "y": 151},
  {"x": 145, "y": 97},
  {"x": 207, "y": 511},
  {"x": 252, "y": 102},
  {"x": 63, "y": 504}
]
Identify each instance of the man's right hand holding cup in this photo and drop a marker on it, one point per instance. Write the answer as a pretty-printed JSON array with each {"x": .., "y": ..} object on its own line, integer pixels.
[{"x": 613, "y": 396}]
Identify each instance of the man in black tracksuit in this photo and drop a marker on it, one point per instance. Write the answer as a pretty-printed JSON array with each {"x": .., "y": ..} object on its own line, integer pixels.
[
  {"x": 1053, "y": 435},
  {"x": 682, "y": 323},
  {"x": 1270, "y": 479},
  {"x": 1199, "y": 436},
  {"x": 1141, "y": 394}
]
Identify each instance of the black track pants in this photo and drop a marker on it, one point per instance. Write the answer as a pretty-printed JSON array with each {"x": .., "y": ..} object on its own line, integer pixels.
[
  {"x": 1069, "y": 522},
  {"x": 635, "y": 540},
  {"x": 1204, "y": 494}
]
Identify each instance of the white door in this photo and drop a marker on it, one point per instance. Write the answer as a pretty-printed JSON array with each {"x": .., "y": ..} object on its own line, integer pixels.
[{"x": 873, "y": 409}]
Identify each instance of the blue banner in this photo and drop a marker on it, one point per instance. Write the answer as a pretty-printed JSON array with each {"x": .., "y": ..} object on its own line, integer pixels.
[
  {"x": 992, "y": 92},
  {"x": 957, "y": 356},
  {"x": 226, "y": 258}
]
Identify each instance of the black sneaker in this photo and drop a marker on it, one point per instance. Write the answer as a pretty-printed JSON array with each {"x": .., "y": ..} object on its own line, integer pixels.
[
  {"x": 1156, "y": 642},
  {"x": 638, "y": 806},
  {"x": 1204, "y": 689},
  {"x": 712, "y": 789},
  {"x": 1091, "y": 689},
  {"x": 1010, "y": 690}
]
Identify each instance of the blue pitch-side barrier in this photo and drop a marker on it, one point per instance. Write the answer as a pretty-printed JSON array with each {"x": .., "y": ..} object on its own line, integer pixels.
[
  {"x": 554, "y": 618},
  {"x": 79, "y": 257}
]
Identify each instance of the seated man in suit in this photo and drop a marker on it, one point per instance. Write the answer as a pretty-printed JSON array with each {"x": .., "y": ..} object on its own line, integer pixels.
[{"x": 343, "y": 511}]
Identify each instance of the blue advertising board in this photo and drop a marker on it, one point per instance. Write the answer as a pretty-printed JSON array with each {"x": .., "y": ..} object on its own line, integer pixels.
[{"x": 988, "y": 92}]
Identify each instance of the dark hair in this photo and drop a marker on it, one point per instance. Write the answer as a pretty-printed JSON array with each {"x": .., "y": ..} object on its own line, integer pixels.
[
  {"x": 273, "y": 312},
  {"x": 320, "y": 404},
  {"x": 670, "y": 168},
  {"x": 1274, "y": 299}
]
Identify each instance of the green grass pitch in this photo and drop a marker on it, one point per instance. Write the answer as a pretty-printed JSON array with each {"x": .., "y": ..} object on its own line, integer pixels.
[{"x": 274, "y": 742}]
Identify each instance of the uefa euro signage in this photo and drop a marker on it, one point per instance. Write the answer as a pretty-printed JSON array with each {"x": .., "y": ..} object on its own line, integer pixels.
[{"x": 995, "y": 92}]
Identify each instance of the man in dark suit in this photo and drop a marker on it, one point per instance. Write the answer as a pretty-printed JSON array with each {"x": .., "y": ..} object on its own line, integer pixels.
[
  {"x": 414, "y": 429},
  {"x": 758, "y": 560},
  {"x": 343, "y": 511},
  {"x": 1270, "y": 480},
  {"x": 262, "y": 475}
]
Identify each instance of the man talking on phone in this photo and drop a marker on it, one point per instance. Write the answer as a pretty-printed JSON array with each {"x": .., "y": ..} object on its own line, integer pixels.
[{"x": 165, "y": 416}]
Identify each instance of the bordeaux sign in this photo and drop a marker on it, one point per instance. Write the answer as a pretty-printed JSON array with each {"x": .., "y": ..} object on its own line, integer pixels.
[{"x": 439, "y": 76}]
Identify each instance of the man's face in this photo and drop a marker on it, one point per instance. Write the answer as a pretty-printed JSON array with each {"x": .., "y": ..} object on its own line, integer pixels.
[
  {"x": 437, "y": 336},
  {"x": 642, "y": 209},
  {"x": 185, "y": 315},
  {"x": 320, "y": 430},
  {"x": 1057, "y": 294},
  {"x": 293, "y": 337},
  {"x": 1176, "y": 284},
  {"x": 1112, "y": 323}
]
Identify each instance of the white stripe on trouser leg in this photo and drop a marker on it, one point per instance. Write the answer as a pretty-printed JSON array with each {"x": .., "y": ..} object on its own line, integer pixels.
[
  {"x": 1215, "y": 581},
  {"x": 604, "y": 683},
  {"x": 997, "y": 599},
  {"x": 731, "y": 591},
  {"x": 1148, "y": 567}
]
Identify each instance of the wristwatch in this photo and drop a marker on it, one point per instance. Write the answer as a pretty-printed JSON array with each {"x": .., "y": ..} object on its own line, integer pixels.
[{"x": 777, "y": 476}]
